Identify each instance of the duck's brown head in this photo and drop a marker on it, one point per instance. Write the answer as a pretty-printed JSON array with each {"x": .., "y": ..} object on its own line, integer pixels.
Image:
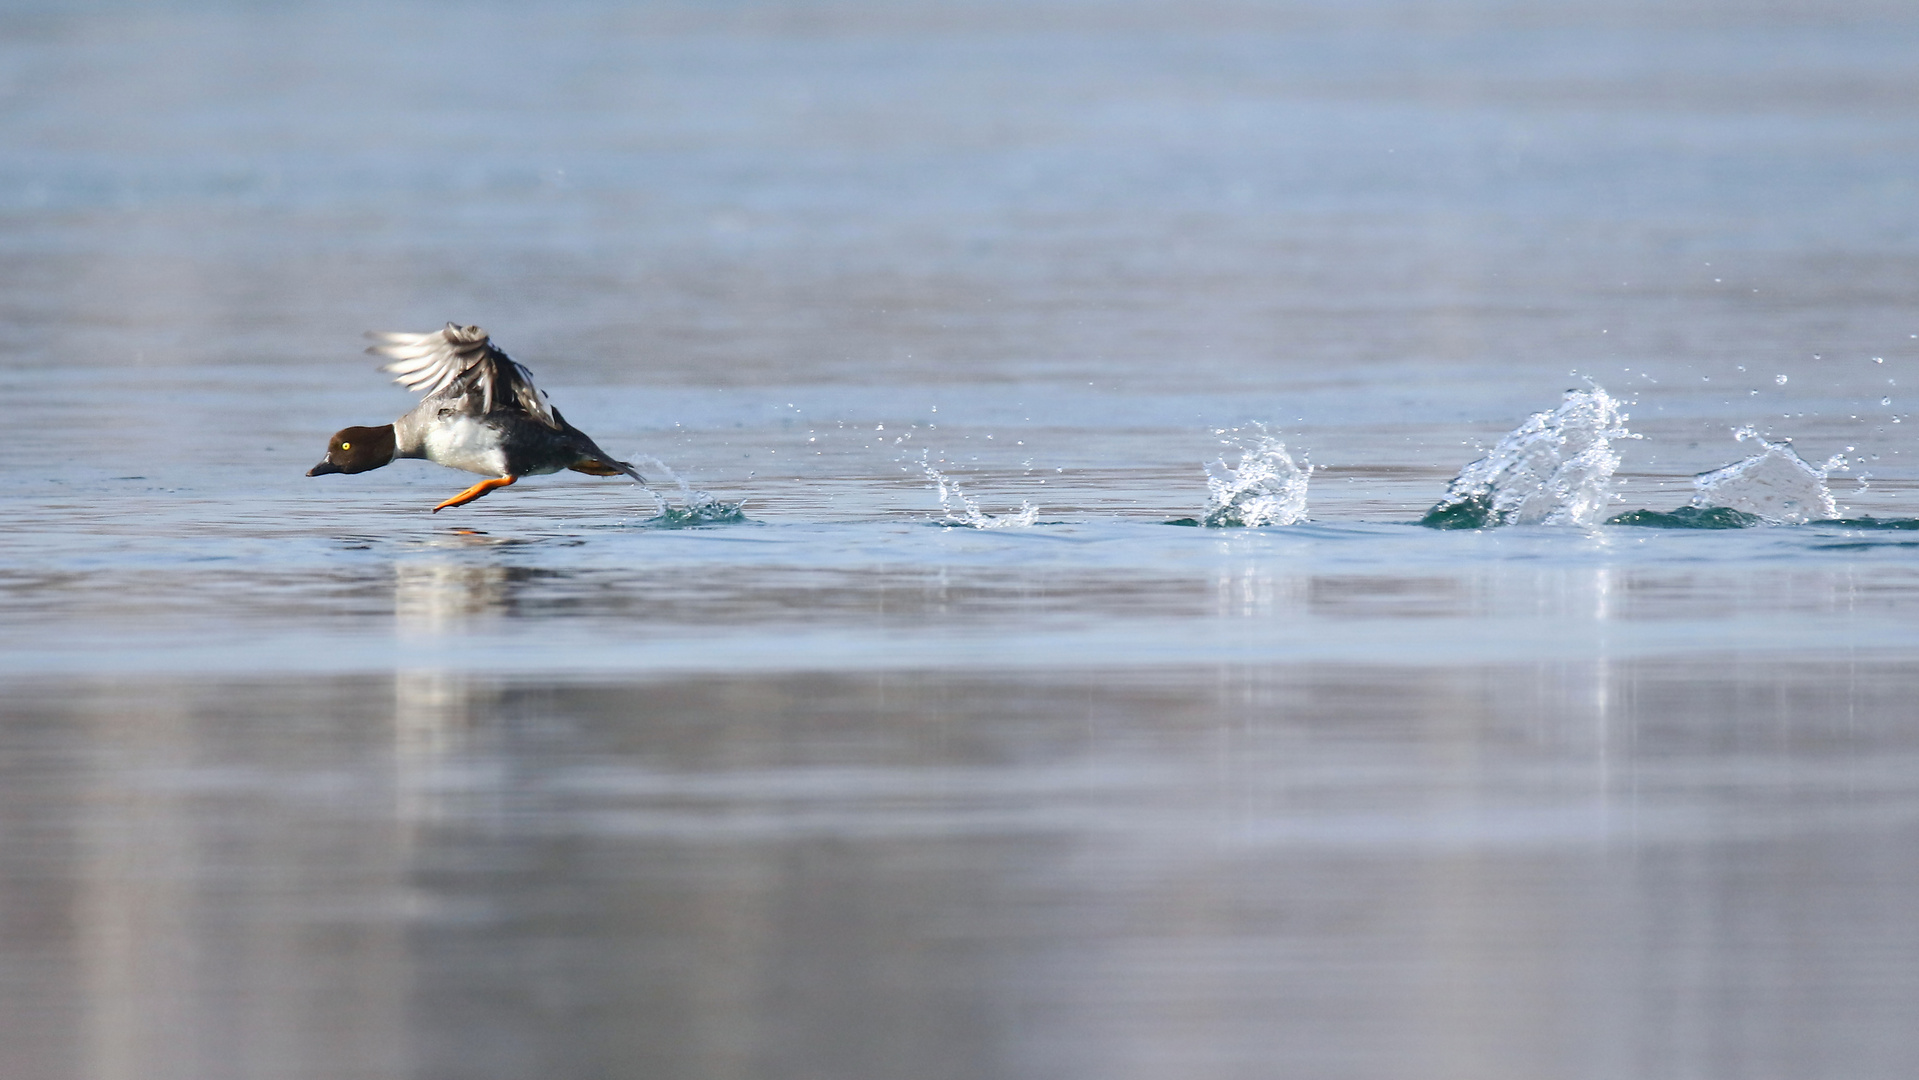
[{"x": 356, "y": 449}]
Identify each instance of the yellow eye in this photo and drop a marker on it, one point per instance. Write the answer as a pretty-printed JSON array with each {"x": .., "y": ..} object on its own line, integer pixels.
[{"x": 346, "y": 446}]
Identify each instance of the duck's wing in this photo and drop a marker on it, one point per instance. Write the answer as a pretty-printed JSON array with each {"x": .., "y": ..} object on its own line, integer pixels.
[{"x": 458, "y": 361}]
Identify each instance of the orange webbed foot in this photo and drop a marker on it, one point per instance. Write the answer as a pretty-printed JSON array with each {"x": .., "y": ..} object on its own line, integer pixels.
[{"x": 475, "y": 492}]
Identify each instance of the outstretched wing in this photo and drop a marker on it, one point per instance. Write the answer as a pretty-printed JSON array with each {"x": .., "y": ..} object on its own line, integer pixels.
[{"x": 458, "y": 361}]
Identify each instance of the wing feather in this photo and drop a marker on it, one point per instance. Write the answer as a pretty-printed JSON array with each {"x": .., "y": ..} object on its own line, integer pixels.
[{"x": 458, "y": 361}]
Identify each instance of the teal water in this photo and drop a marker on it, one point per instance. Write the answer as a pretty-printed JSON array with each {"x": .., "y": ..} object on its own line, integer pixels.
[
  {"x": 924, "y": 743},
  {"x": 1693, "y": 517}
]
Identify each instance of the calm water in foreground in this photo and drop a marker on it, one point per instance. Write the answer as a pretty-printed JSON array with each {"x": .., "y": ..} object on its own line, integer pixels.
[{"x": 298, "y": 780}]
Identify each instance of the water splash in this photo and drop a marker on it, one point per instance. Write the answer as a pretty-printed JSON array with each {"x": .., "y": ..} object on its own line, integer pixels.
[
  {"x": 968, "y": 515},
  {"x": 706, "y": 511},
  {"x": 1554, "y": 469},
  {"x": 1267, "y": 488},
  {"x": 696, "y": 507},
  {"x": 1776, "y": 485}
]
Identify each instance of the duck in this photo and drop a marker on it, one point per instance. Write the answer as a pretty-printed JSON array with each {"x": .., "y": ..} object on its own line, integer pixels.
[{"x": 480, "y": 413}]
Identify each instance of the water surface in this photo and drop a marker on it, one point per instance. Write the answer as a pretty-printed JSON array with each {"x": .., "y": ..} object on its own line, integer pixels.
[{"x": 297, "y": 779}]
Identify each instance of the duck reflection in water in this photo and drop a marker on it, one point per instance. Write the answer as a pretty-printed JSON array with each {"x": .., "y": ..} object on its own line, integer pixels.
[{"x": 432, "y": 597}]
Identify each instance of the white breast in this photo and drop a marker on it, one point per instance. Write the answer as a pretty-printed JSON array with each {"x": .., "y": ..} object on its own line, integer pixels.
[{"x": 464, "y": 443}]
